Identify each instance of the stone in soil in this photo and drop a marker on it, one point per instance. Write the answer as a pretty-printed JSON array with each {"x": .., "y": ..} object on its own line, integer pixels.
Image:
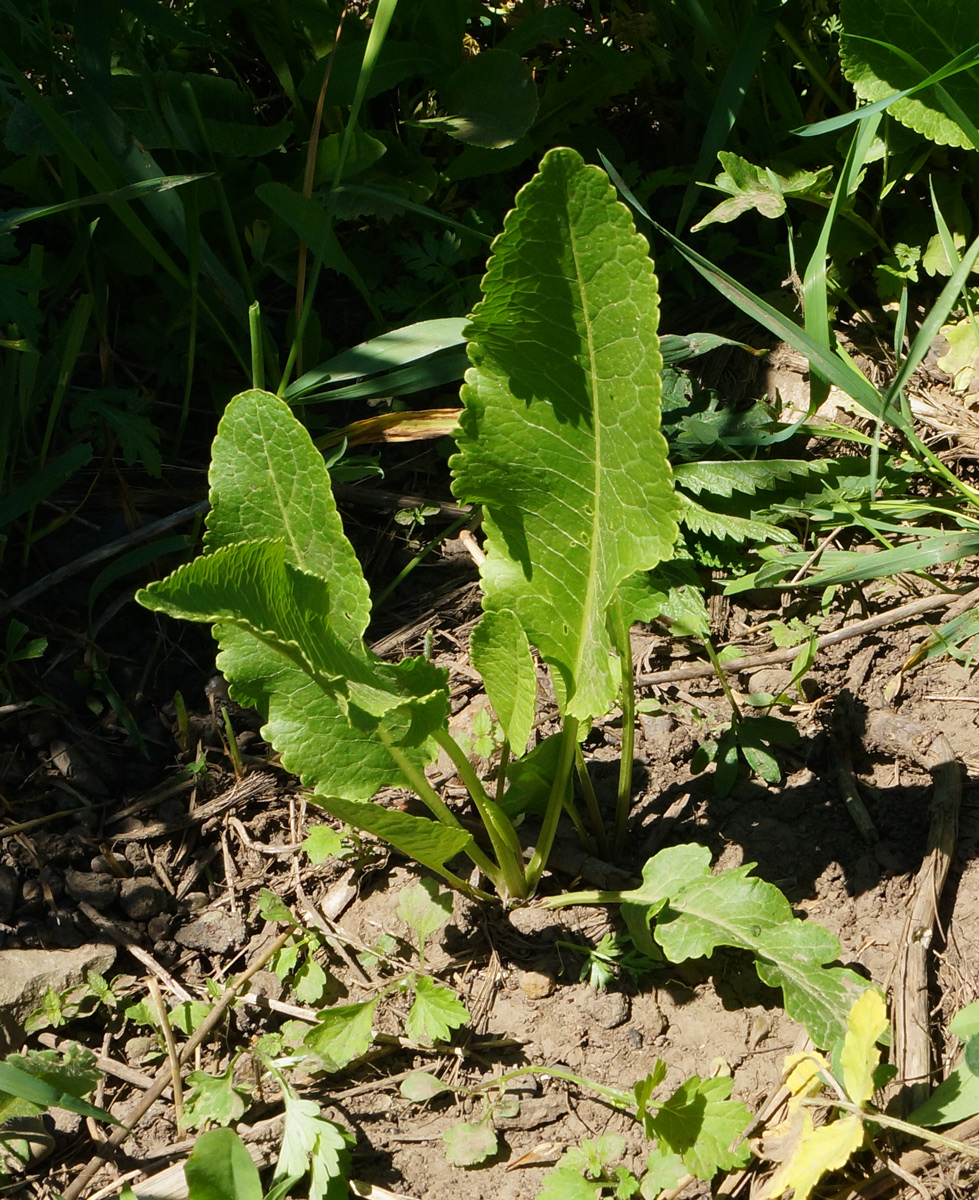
[
  {"x": 26, "y": 975},
  {"x": 100, "y": 891},
  {"x": 142, "y": 900},
  {"x": 212, "y": 932},
  {"x": 9, "y": 887}
]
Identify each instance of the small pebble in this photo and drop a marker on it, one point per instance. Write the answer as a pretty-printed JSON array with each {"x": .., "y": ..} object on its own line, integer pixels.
[
  {"x": 535, "y": 985},
  {"x": 98, "y": 890},
  {"x": 158, "y": 927},
  {"x": 141, "y": 899},
  {"x": 212, "y": 932},
  {"x": 610, "y": 1009}
]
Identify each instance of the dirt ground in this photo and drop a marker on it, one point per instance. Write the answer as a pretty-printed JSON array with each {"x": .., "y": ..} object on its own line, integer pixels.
[{"x": 169, "y": 874}]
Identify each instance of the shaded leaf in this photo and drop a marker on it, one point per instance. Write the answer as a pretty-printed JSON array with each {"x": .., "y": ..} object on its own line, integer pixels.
[
  {"x": 491, "y": 100},
  {"x": 420, "y": 1087},
  {"x": 420, "y": 838}
]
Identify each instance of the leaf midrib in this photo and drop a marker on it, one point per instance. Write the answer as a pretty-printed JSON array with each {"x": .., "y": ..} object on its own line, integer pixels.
[
  {"x": 596, "y": 464},
  {"x": 273, "y": 475}
]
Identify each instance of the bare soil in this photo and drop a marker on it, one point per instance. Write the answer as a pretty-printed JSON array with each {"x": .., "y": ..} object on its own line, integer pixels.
[{"x": 170, "y": 875}]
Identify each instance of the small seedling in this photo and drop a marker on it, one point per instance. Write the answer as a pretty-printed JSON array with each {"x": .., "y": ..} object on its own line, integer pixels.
[{"x": 613, "y": 957}]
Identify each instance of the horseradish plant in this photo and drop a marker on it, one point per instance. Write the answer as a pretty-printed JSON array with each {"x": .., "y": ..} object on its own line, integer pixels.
[{"x": 560, "y": 445}]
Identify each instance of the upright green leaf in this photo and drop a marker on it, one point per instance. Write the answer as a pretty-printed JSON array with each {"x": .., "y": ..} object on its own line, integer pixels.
[
  {"x": 501, "y": 654},
  {"x": 311, "y": 1143},
  {"x": 560, "y": 436},
  {"x": 268, "y": 480},
  {"x": 290, "y": 603}
]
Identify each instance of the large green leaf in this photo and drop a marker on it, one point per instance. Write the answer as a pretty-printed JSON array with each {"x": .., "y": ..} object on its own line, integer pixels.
[
  {"x": 331, "y": 744},
  {"x": 933, "y": 33},
  {"x": 250, "y": 587},
  {"x": 692, "y": 912},
  {"x": 289, "y": 602},
  {"x": 316, "y": 742},
  {"x": 268, "y": 480},
  {"x": 696, "y": 912},
  {"x": 560, "y": 437}
]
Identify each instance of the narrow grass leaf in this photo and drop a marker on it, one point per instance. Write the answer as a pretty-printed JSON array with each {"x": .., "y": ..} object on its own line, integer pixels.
[
  {"x": 43, "y": 483},
  {"x": 834, "y": 368},
  {"x": 916, "y": 556},
  {"x": 382, "y": 354},
  {"x": 24, "y": 1086}
]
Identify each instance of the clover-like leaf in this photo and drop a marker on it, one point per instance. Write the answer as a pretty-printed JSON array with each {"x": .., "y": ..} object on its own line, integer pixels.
[
  {"x": 424, "y": 908},
  {"x": 701, "y": 1124},
  {"x": 214, "y": 1098},
  {"x": 342, "y": 1034}
]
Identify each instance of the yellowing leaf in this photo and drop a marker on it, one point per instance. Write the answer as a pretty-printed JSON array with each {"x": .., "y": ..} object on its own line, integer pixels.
[
  {"x": 859, "y": 1057},
  {"x": 802, "y": 1073},
  {"x": 962, "y": 359},
  {"x": 816, "y": 1152}
]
